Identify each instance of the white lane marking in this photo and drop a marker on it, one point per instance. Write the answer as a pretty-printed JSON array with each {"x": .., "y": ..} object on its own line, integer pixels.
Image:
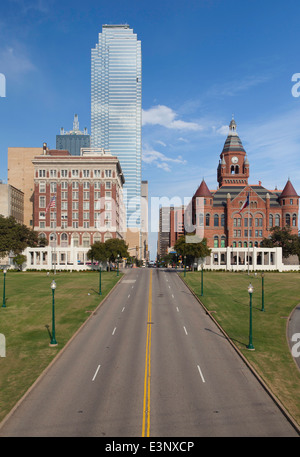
[
  {"x": 123, "y": 309},
  {"x": 177, "y": 309},
  {"x": 128, "y": 295},
  {"x": 185, "y": 330},
  {"x": 172, "y": 296},
  {"x": 114, "y": 330},
  {"x": 96, "y": 372},
  {"x": 200, "y": 372},
  {"x": 128, "y": 281}
]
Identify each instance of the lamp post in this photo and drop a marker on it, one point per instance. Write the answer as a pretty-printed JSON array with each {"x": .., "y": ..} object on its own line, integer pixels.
[
  {"x": 202, "y": 280},
  {"x": 118, "y": 265},
  {"x": 100, "y": 291},
  {"x": 53, "y": 341},
  {"x": 262, "y": 292},
  {"x": 250, "y": 345},
  {"x": 185, "y": 266},
  {"x": 4, "y": 301}
]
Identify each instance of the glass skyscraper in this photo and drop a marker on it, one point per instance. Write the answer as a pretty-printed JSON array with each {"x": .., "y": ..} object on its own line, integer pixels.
[{"x": 116, "y": 107}]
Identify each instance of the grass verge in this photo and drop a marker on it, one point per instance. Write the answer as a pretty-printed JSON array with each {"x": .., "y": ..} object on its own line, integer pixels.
[
  {"x": 26, "y": 323},
  {"x": 225, "y": 295}
]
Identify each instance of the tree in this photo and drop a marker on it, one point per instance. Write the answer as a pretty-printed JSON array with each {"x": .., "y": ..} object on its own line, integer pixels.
[
  {"x": 115, "y": 247},
  {"x": 19, "y": 259},
  {"x": 284, "y": 239},
  {"x": 108, "y": 251},
  {"x": 15, "y": 237},
  {"x": 191, "y": 250}
]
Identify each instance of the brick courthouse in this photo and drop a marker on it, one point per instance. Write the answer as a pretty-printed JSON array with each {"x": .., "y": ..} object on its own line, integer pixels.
[{"x": 238, "y": 214}]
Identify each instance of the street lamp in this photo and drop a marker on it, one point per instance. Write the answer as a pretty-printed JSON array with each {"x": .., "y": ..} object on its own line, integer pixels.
[
  {"x": 262, "y": 292},
  {"x": 118, "y": 265},
  {"x": 184, "y": 265},
  {"x": 250, "y": 345},
  {"x": 4, "y": 301},
  {"x": 100, "y": 292},
  {"x": 53, "y": 341},
  {"x": 202, "y": 280}
]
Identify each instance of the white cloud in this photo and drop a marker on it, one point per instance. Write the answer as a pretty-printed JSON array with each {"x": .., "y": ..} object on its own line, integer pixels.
[
  {"x": 160, "y": 160},
  {"x": 14, "y": 62},
  {"x": 166, "y": 117}
]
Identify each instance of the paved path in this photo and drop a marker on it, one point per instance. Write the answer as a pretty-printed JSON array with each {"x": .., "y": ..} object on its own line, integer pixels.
[{"x": 149, "y": 362}]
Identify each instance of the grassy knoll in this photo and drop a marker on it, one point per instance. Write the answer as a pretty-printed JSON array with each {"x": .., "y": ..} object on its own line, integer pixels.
[
  {"x": 225, "y": 294},
  {"x": 27, "y": 314}
]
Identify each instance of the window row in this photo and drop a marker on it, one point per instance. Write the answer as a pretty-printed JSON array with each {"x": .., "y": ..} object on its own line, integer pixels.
[
  {"x": 74, "y": 173},
  {"x": 86, "y": 204},
  {"x": 75, "y": 185}
]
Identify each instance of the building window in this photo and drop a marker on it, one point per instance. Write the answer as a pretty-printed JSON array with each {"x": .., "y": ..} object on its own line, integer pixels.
[
  {"x": 216, "y": 241},
  {"x": 64, "y": 206},
  {"x": 86, "y": 215},
  {"x": 75, "y": 173},
  {"x": 271, "y": 220},
  {"x": 97, "y": 173},
  {"x": 75, "y": 185},
  {"x": 291, "y": 201},
  {"x": 216, "y": 220},
  {"x": 108, "y": 206},
  {"x": 223, "y": 220},
  {"x": 108, "y": 185},
  {"x": 108, "y": 173},
  {"x": 42, "y": 215},
  {"x": 75, "y": 225},
  {"x": 86, "y": 195},
  {"x": 288, "y": 219},
  {"x": 223, "y": 242},
  {"x": 258, "y": 222},
  {"x": 42, "y": 202},
  {"x": 64, "y": 195},
  {"x": 86, "y": 184},
  {"x": 64, "y": 185},
  {"x": 53, "y": 187},
  {"x": 294, "y": 220},
  {"x": 86, "y": 173},
  {"x": 107, "y": 194},
  {"x": 207, "y": 219},
  {"x": 75, "y": 205},
  {"x": 75, "y": 195},
  {"x": 86, "y": 224},
  {"x": 86, "y": 205},
  {"x": 64, "y": 173},
  {"x": 42, "y": 224},
  {"x": 75, "y": 215},
  {"x": 42, "y": 173},
  {"x": 97, "y": 195},
  {"x": 42, "y": 187},
  {"x": 277, "y": 220},
  {"x": 53, "y": 174},
  {"x": 97, "y": 185},
  {"x": 85, "y": 241}
]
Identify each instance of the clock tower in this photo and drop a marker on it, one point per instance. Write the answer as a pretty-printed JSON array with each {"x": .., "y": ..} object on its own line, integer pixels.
[{"x": 233, "y": 169}]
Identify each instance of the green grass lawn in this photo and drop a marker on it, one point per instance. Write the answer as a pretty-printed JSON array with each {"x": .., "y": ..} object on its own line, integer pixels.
[
  {"x": 27, "y": 320},
  {"x": 226, "y": 296}
]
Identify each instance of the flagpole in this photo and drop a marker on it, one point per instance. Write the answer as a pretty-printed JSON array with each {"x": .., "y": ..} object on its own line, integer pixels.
[{"x": 55, "y": 259}]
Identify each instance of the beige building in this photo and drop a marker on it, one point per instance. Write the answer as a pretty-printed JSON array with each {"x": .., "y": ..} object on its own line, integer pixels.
[
  {"x": 20, "y": 174},
  {"x": 12, "y": 202}
]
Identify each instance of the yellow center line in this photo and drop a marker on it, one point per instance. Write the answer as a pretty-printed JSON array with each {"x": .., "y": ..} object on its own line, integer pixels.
[{"x": 146, "y": 404}]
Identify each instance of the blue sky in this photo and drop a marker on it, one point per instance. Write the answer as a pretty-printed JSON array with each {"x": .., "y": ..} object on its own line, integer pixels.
[{"x": 202, "y": 61}]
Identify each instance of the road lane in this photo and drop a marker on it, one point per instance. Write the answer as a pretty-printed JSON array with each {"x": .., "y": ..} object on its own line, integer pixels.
[
  {"x": 67, "y": 402},
  {"x": 200, "y": 386}
]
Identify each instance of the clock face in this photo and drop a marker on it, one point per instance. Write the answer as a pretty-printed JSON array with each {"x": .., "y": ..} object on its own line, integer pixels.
[{"x": 234, "y": 160}]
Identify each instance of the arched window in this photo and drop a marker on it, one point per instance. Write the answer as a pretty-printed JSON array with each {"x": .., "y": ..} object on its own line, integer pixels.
[
  {"x": 216, "y": 241},
  {"x": 288, "y": 219},
  {"x": 64, "y": 240},
  {"x": 223, "y": 220},
  {"x": 271, "y": 220},
  {"x": 223, "y": 241},
  {"x": 207, "y": 219},
  {"x": 216, "y": 220},
  {"x": 75, "y": 240},
  {"x": 277, "y": 220},
  {"x": 294, "y": 223},
  {"x": 86, "y": 240}
]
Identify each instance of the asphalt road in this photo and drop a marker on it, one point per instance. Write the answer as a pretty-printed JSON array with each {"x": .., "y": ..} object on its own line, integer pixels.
[{"x": 149, "y": 362}]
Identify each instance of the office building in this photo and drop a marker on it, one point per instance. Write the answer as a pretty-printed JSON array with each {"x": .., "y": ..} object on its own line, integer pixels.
[
  {"x": 11, "y": 202},
  {"x": 116, "y": 109},
  {"x": 73, "y": 140},
  {"x": 86, "y": 195}
]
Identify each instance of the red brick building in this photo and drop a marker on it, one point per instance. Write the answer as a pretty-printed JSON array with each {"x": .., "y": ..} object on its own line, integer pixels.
[
  {"x": 88, "y": 194},
  {"x": 220, "y": 213}
]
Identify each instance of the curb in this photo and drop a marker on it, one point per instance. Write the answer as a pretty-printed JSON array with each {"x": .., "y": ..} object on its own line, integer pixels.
[
  {"x": 258, "y": 377},
  {"x": 41, "y": 376}
]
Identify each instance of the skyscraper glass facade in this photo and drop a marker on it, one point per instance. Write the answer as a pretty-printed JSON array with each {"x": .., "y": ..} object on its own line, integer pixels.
[{"x": 116, "y": 107}]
